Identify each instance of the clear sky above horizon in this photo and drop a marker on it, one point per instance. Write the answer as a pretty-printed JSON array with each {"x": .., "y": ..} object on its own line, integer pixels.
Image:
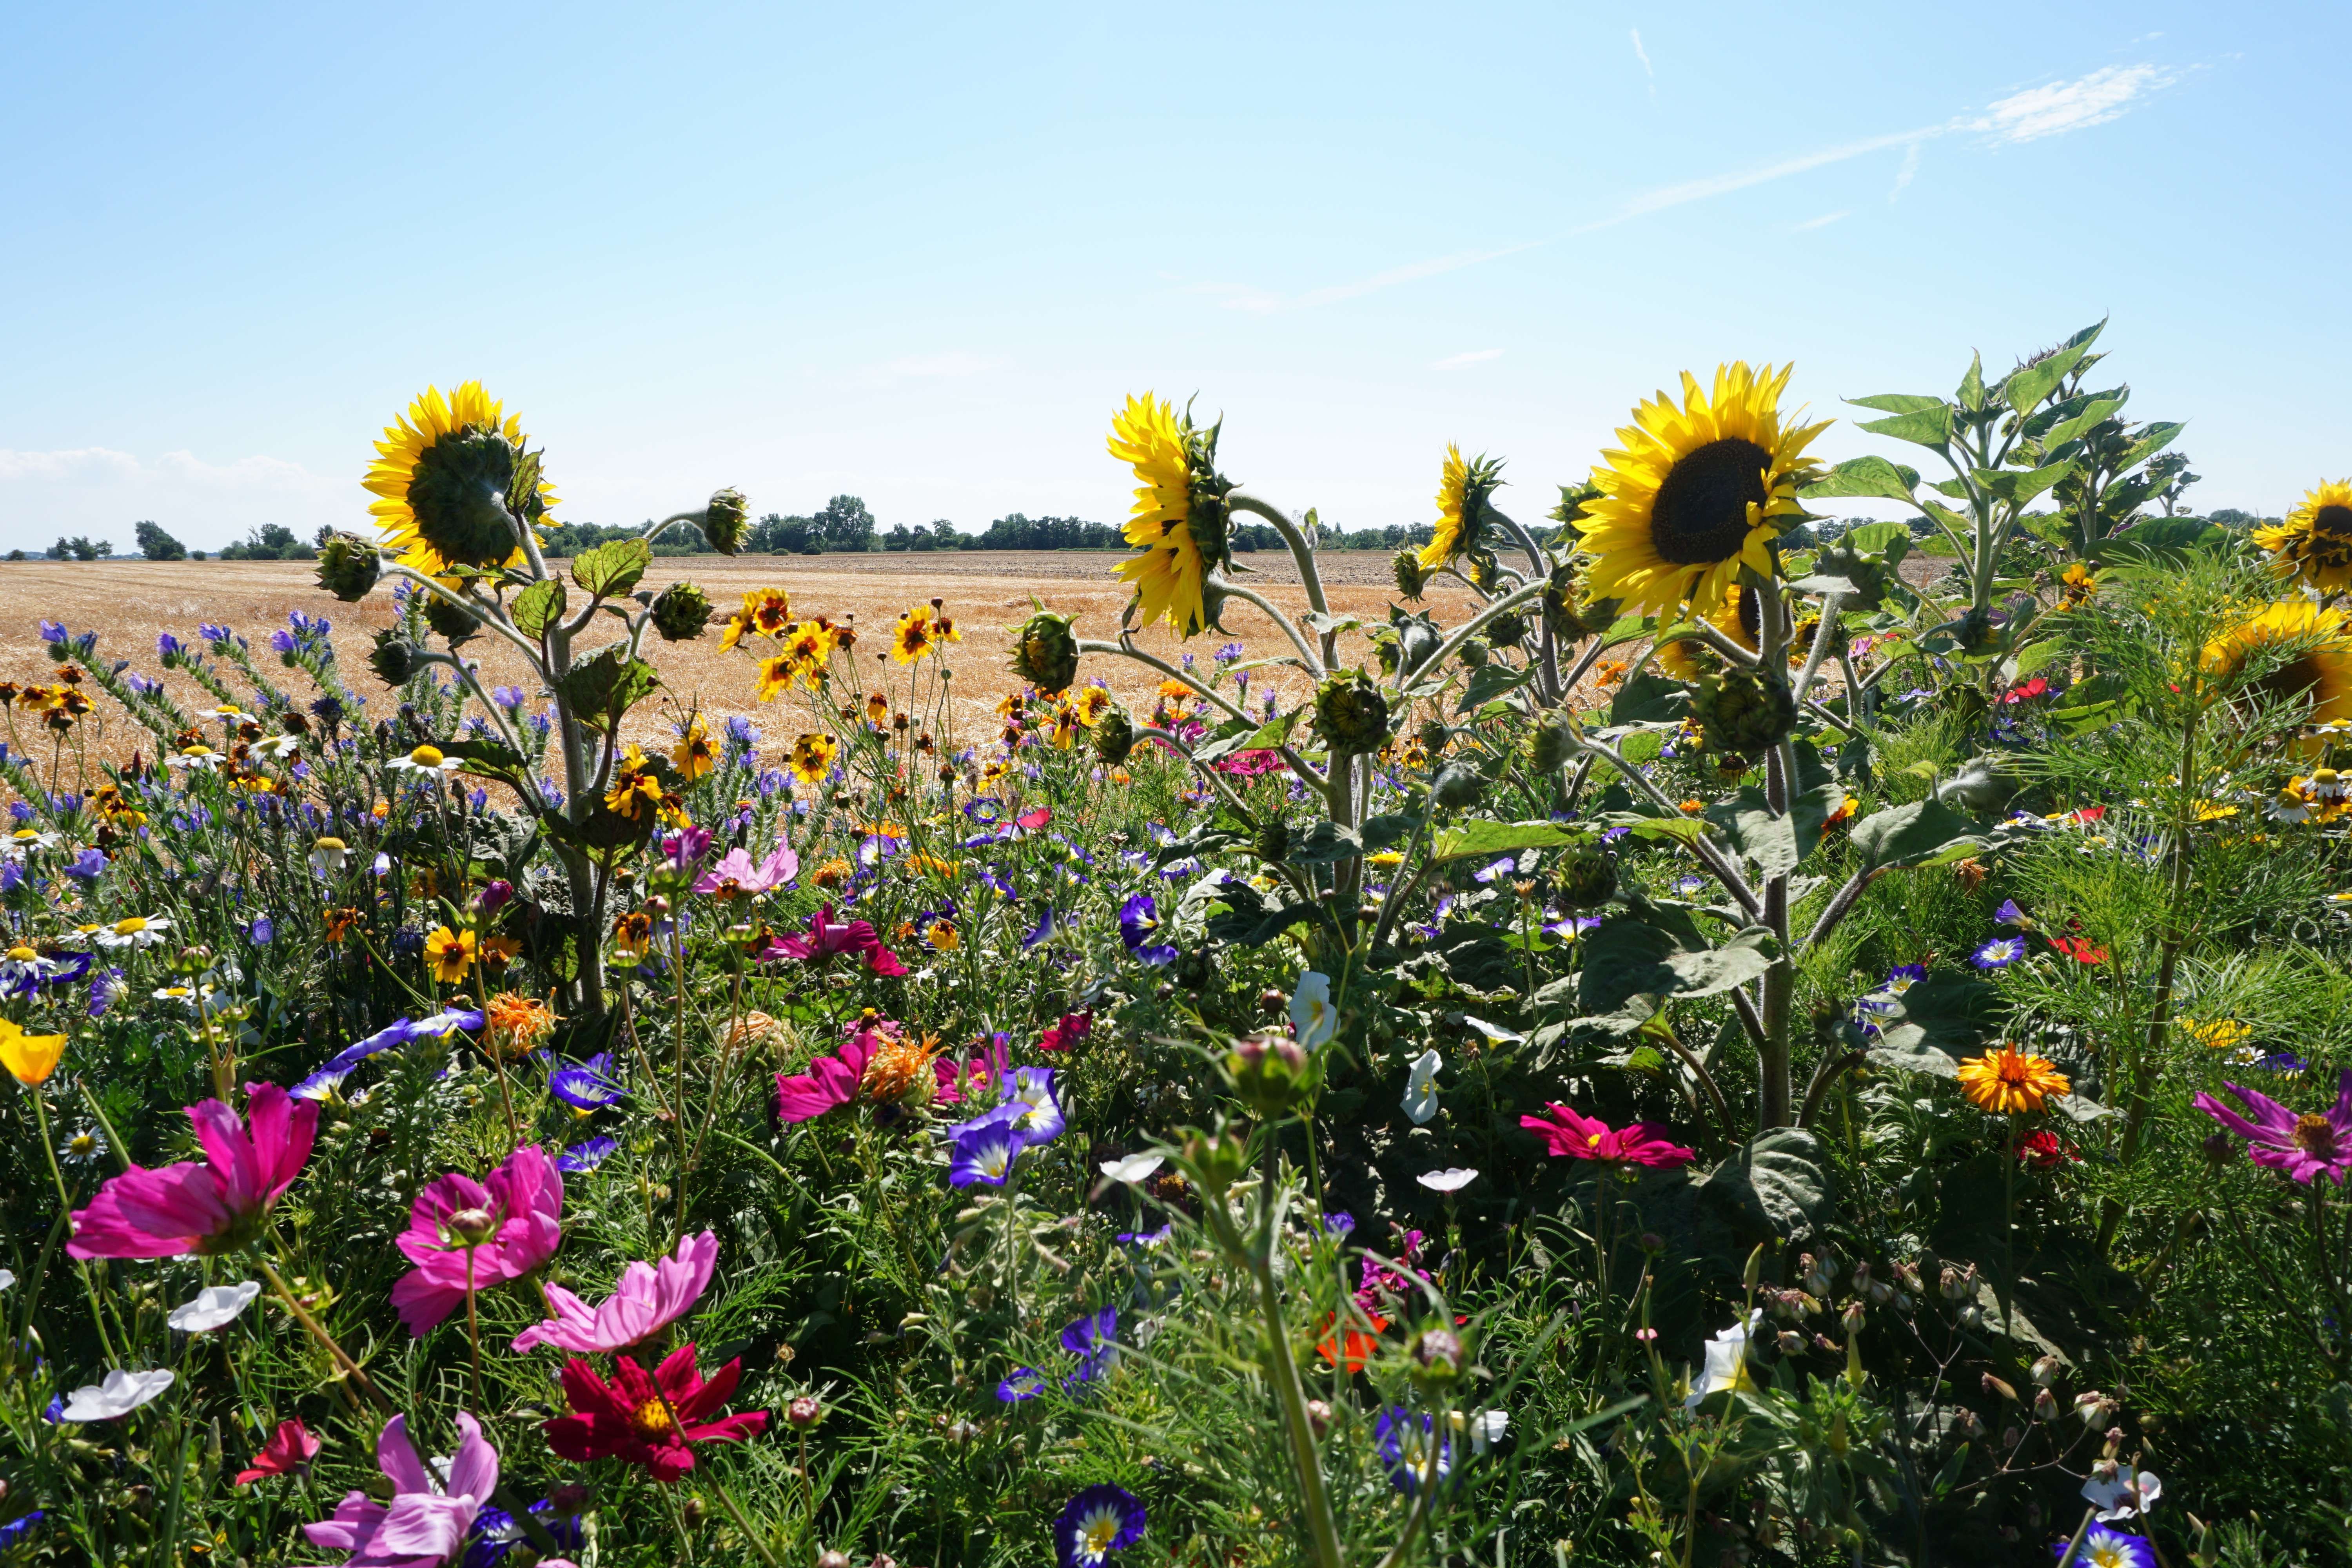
[{"x": 919, "y": 253}]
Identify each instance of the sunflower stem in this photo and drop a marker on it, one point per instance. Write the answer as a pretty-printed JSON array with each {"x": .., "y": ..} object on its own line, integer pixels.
[{"x": 1273, "y": 613}]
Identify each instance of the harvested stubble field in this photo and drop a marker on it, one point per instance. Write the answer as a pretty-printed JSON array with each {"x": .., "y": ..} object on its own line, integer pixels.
[{"x": 128, "y": 603}]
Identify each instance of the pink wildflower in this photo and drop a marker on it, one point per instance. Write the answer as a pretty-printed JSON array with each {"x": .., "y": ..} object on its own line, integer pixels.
[
  {"x": 512, "y": 1220},
  {"x": 829, "y": 938},
  {"x": 1587, "y": 1138},
  {"x": 425, "y": 1524},
  {"x": 2306, "y": 1146},
  {"x": 650, "y": 1297},
  {"x": 735, "y": 876},
  {"x": 210, "y": 1208}
]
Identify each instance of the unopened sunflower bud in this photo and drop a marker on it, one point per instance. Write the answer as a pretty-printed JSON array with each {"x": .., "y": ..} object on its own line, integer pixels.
[
  {"x": 349, "y": 567},
  {"x": 394, "y": 659},
  {"x": 1550, "y": 743},
  {"x": 1273, "y": 839},
  {"x": 1044, "y": 653},
  {"x": 1114, "y": 736},
  {"x": 1473, "y": 653},
  {"x": 1744, "y": 711},
  {"x": 1505, "y": 629},
  {"x": 681, "y": 613},
  {"x": 1350, "y": 715},
  {"x": 1458, "y": 787},
  {"x": 1411, "y": 578},
  {"x": 723, "y": 520},
  {"x": 453, "y": 621}
]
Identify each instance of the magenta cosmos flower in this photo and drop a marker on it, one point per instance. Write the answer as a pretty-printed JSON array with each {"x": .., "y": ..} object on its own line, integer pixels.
[
  {"x": 2304, "y": 1146},
  {"x": 216, "y": 1207},
  {"x": 830, "y": 937},
  {"x": 735, "y": 876},
  {"x": 1588, "y": 1138},
  {"x": 425, "y": 1524},
  {"x": 500, "y": 1228},
  {"x": 650, "y": 1297}
]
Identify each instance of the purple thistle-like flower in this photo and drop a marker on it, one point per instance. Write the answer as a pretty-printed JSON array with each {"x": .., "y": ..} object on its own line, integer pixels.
[
  {"x": 1094, "y": 1523},
  {"x": 2304, "y": 1145}
]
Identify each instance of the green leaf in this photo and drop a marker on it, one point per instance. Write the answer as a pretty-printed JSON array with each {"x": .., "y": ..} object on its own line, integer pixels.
[
  {"x": 602, "y": 688},
  {"x": 2027, "y": 387},
  {"x": 1240, "y": 735},
  {"x": 494, "y": 758},
  {"x": 1864, "y": 476},
  {"x": 2154, "y": 439},
  {"x": 611, "y": 570},
  {"x": 1923, "y": 833},
  {"x": 1655, "y": 953},
  {"x": 1649, "y": 699},
  {"x": 1897, "y": 402},
  {"x": 1388, "y": 830},
  {"x": 538, "y": 607},
  {"x": 1939, "y": 1021},
  {"x": 1776, "y": 1185},
  {"x": 2019, "y": 486},
  {"x": 1756, "y": 832},
  {"x": 1488, "y": 682},
  {"x": 2074, "y": 425},
  {"x": 1326, "y": 843},
  {"x": 1924, "y": 427},
  {"x": 1680, "y": 829},
  {"x": 1486, "y": 839},
  {"x": 1971, "y": 395}
]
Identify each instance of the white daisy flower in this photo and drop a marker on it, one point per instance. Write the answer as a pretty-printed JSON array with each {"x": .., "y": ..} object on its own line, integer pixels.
[
  {"x": 133, "y": 931},
  {"x": 426, "y": 759},
  {"x": 199, "y": 758}
]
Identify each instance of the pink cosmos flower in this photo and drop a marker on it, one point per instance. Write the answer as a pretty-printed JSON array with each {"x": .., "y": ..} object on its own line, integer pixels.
[
  {"x": 425, "y": 1524},
  {"x": 512, "y": 1219},
  {"x": 735, "y": 876},
  {"x": 1073, "y": 1028},
  {"x": 1587, "y": 1138},
  {"x": 2305, "y": 1146},
  {"x": 214, "y": 1207},
  {"x": 830, "y": 1081},
  {"x": 829, "y": 938},
  {"x": 650, "y": 1297},
  {"x": 991, "y": 1059}
]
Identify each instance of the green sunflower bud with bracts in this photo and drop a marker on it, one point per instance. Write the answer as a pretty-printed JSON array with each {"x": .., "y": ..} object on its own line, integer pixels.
[
  {"x": 1458, "y": 787},
  {"x": 454, "y": 622},
  {"x": 1562, "y": 609},
  {"x": 349, "y": 567},
  {"x": 1350, "y": 715},
  {"x": 394, "y": 659},
  {"x": 722, "y": 522},
  {"x": 1271, "y": 841},
  {"x": 1549, "y": 745},
  {"x": 1412, "y": 577},
  {"x": 1045, "y": 654},
  {"x": 1588, "y": 876},
  {"x": 1473, "y": 652},
  {"x": 1744, "y": 711},
  {"x": 1505, "y": 629},
  {"x": 1433, "y": 736},
  {"x": 681, "y": 612},
  {"x": 1114, "y": 735}
]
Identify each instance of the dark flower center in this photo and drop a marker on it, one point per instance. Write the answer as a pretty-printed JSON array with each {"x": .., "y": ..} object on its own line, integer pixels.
[
  {"x": 2290, "y": 680},
  {"x": 2316, "y": 1136},
  {"x": 1700, "y": 516},
  {"x": 2335, "y": 520},
  {"x": 458, "y": 494},
  {"x": 1751, "y": 616}
]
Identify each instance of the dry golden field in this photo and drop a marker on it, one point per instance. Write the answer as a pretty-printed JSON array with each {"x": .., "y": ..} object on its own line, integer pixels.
[{"x": 128, "y": 601}]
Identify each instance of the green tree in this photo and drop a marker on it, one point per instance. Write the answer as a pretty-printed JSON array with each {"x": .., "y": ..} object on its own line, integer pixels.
[
  {"x": 844, "y": 523},
  {"x": 157, "y": 545}
]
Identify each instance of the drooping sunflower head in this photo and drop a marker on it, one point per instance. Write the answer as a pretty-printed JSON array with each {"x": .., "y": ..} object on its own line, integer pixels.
[
  {"x": 2315, "y": 542},
  {"x": 1697, "y": 491},
  {"x": 2303, "y": 649},
  {"x": 1463, "y": 487},
  {"x": 1179, "y": 522},
  {"x": 443, "y": 479}
]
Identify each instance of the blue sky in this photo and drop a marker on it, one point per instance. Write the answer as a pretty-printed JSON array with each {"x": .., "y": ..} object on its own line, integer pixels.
[{"x": 920, "y": 253}]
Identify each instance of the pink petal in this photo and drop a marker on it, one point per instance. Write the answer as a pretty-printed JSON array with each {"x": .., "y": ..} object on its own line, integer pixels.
[
  {"x": 283, "y": 1131},
  {"x": 419, "y": 1524},
  {"x": 355, "y": 1520},
  {"x": 423, "y": 1303},
  {"x": 231, "y": 1153},
  {"x": 395, "y": 1455},
  {"x": 473, "y": 1469}
]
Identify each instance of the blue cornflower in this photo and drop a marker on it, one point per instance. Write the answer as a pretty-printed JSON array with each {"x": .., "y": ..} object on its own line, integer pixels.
[
  {"x": 86, "y": 867},
  {"x": 2105, "y": 1548}
]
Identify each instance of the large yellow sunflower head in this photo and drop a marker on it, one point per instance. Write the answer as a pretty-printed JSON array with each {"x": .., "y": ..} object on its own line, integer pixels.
[
  {"x": 1179, "y": 522},
  {"x": 2314, "y": 542},
  {"x": 1698, "y": 490},
  {"x": 1463, "y": 487},
  {"x": 2300, "y": 650},
  {"x": 442, "y": 477}
]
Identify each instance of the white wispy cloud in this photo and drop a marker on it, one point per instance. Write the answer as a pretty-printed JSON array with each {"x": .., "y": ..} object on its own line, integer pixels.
[
  {"x": 1687, "y": 191},
  {"x": 1643, "y": 55},
  {"x": 1904, "y": 175},
  {"x": 65, "y": 464},
  {"x": 1472, "y": 356},
  {"x": 1822, "y": 222},
  {"x": 2106, "y": 94}
]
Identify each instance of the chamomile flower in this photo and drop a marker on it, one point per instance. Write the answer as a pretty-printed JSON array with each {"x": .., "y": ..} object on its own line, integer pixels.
[
  {"x": 426, "y": 759},
  {"x": 135, "y": 932}
]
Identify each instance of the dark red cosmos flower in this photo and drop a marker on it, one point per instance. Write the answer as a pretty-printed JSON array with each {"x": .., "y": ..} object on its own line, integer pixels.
[
  {"x": 2043, "y": 1151},
  {"x": 289, "y": 1448},
  {"x": 652, "y": 1421},
  {"x": 1072, "y": 1028}
]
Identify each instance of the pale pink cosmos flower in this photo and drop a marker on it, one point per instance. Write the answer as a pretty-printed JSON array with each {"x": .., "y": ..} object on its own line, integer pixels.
[
  {"x": 735, "y": 876},
  {"x": 650, "y": 1297},
  {"x": 425, "y": 1524},
  {"x": 210, "y": 1208},
  {"x": 515, "y": 1217}
]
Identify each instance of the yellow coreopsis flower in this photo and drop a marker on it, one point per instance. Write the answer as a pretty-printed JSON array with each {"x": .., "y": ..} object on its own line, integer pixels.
[
  {"x": 449, "y": 954},
  {"x": 29, "y": 1058},
  {"x": 636, "y": 785},
  {"x": 812, "y": 757},
  {"x": 694, "y": 753},
  {"x": 913, "y": 637}
]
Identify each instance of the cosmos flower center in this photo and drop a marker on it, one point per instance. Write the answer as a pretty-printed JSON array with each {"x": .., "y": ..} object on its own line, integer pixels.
[
  {"x": 652, "y": 1418},
  {"x": 2316, "y": 1136},
  {"x": 1700, "y": 515}
]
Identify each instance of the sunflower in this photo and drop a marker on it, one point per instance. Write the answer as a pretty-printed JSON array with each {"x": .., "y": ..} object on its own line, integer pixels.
[
  {"x": 2314, "y": 542},
  {"x": 440, "y": 480},
  {"x": 2321, "y": 661},
  {"x": 449, "y": 954},
  {"x": 1740, "y": 616},
  {"x": 1178, "y": 518},
  {"x": 812, "y": 758},
  {"x": 1462, "y": 490},
  {"x": 1695, "y": 492},
  {"x": 694, "y": 753},
  {"x": 2008, "y": 1079},
  {"x": 914, "y": 636}
]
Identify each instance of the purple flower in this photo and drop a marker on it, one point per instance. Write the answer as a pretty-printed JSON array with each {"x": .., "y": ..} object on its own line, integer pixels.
[
  {"x": 168, "y": 647},
  {"x": 1093, "y": 1339},
  {"x": 53, "y": 631},
  {"x": 1408, "y": 1445},
  {"x": 2000, "y": 953},
  {"x": 1148, "y": 1238},
  {"x": 262, "y": 931},
  {"x": 1038, "y": 933},
  {"x": 685, "y": 848},
  {"x": 1039, "y": 1119},
  {"x": 583, "y": 1085},
  {"x": 211, "y": 632},
  {"x": 1023, "y": 1382},
  {"x": 1338, "y": 1223},
  {"x": 984, "y": 1149},
  {"x": 1139, "y": 918},
  {"x": 1094, "y": 1523},
  {"x": 2008, "y": 914},
  {"x": 88, "y": 866},
  {"x": 17, "y": 1529},
  {"x": 2306, "y": 1146},
  {"x": 586, "y": 1156},
  {"x": 285, "y": 643},
  {"x": 105, "y": 990}
]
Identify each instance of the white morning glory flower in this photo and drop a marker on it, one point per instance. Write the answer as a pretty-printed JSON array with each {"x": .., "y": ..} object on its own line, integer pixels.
[
  {"x": 1726, "y": 1362},
  {"x": 1134, "y": 1168},
  {"x": 1421, "y": 1088},
  {"x": 1448, "y": 1180},
  {"x": 119, "y": 1395},
  {"x": 1313, "y": 1019},
  {"x": 214, "y": 1307}
]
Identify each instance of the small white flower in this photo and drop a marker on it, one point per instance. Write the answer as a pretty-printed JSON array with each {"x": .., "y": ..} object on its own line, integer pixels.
[
  {"x": 1134, "y": 1168},
  {"x": 119, "y": 1395},
  {"x": 426, "y": 759},
  {"x": 1313, "y": 1019},
  {"x": 133, "y": 931},
  {"x": 7, "y": 1279},
  {"x": 2125, "y": 1497},
  {"x": 228, "y": 714},
  {"x": 1496, "y": 1034},
  {"x": 1484, "y": 1429},
  {"x": 30, "y": 839},
  {"x": 329, "y": 856},
  {"x": 277, "y": 748},
  {"x": 1421, "y": 1088},
  {"x": 199, "y": 757},
  {"x": 214, "y": 1307},
  {"x": 1726, "y": 1362},
  {"x": 1448, "y": 1180},
  {"x": 26, "y": 964}
]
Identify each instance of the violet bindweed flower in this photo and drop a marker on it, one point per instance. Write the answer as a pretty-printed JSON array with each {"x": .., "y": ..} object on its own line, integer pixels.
[
  {"x": 586, "y": 1155},
  {"x": 1040, "y": 1120},
  {"x": 1999, "y": 953},
  {"x": 1023, "y": 1382},
  {"x": 984, "y": 1149},
  {"x": 2305, "y": 1146}
]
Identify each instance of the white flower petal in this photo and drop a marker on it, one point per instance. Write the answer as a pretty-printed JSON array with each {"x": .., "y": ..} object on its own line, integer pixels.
[
  {"x": 1448, "y": 1180},
  {"x": 214, "y": 1307},
  {"x": 119, "y": 1395},
  {"x": 1134, "y": 1168}
]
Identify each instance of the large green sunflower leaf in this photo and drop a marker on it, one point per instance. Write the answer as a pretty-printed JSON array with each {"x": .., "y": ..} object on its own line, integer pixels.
[
  {"x": 1874, "y": 476},
  {"x": 1921, "y": 427},
  {"x": 538, "y": 607},
  {"x": 611, "y": 570}
]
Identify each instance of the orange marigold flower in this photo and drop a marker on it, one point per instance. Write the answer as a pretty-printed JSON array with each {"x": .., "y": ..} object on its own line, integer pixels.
[{"x": 2007, "y": 1080}]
